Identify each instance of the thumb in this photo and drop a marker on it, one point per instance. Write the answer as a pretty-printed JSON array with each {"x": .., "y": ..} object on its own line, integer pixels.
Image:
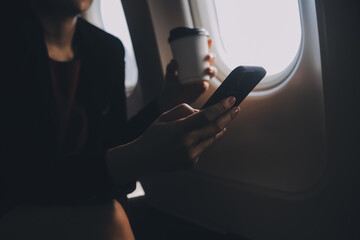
[
  {"x": 178, "y": 112},
  {"x": 171, "y": 71}
]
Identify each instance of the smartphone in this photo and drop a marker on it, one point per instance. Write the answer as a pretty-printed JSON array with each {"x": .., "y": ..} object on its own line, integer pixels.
[{"x": 239, "y": 83}]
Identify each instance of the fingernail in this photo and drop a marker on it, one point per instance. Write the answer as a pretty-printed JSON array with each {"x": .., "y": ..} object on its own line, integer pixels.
[
  {"x": 220, "y": 134},
  {"x": 235, "y": 112},
  {"x": 231, "y": 100},
  {"x": 205, "y": 84}
]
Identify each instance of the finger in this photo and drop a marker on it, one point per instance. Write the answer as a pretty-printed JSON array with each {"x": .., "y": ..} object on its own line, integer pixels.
[
  {"x": 209, "y": 114},
  {"x": 211, "y": 58},
  {"x": 201, "y": 86},
  {"x": 172, "y": 65},
  {"x": 211, "y": 71},
  {"x": 210, "y": 42},
  {"x": 213, "y": 128},
  {"x": 171, "y": 69},
  {"x": 218, "y": 125},
  {"x": 205, "y": 144},
  {"x": 205, "y": 85},
  {"x": 179, "y": 112}
]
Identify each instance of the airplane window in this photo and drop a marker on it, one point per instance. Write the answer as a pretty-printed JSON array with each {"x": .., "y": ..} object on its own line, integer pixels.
[
  {"x": 259, "y": 32},
  {"x": 114, "y": 21},
  {"x": 252, "y": 32}
]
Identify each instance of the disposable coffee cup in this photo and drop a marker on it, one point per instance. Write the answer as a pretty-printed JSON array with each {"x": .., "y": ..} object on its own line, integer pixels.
[{"x": 189, "y": 47}]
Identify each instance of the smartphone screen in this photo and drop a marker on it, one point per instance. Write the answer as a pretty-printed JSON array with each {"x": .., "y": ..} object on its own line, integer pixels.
[{"x": 239, "y": 83}]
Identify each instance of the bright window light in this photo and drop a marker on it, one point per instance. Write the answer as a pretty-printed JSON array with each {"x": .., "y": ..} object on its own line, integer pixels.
[
  {"x": 259, "y": 32},
  {"x": 138, "y": 192},
  {"x": 115, "y": 23}
]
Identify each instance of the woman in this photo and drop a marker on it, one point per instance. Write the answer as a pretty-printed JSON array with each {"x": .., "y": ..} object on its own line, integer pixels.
[{"x": 67, "y": 150}]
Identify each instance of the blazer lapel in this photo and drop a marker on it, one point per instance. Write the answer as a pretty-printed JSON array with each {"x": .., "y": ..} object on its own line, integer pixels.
[
  {"x": 37, "y": 74},
  {"x": 92, "y": 86}
]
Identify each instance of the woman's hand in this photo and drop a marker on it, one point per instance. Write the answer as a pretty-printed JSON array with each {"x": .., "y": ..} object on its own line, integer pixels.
[
  {"x": 175, "y": 93},
  {"x": 173, "y": 142}
]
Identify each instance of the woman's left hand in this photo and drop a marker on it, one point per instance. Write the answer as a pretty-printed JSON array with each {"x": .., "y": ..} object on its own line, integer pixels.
[{"x": 175, "y": 93}]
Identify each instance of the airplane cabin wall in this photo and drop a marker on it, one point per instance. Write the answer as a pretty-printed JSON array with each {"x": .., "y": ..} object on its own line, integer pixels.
[
  {"x": 288, "y": 167},
  {"x": 275, "y": 175}
]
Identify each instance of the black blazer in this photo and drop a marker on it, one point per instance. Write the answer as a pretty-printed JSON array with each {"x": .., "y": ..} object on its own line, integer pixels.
[{"x": 31, "y": 170}]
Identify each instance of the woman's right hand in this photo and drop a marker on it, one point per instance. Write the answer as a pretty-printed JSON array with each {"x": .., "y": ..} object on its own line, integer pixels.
[{"x": 173, "y": 142}]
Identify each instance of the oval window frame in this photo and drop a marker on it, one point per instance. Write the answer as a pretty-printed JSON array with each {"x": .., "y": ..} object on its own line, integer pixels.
[{"x": 270, "y": 82}]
